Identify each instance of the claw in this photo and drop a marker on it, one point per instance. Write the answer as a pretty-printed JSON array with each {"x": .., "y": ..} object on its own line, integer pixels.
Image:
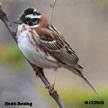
[{"x": 50, "y": 88}]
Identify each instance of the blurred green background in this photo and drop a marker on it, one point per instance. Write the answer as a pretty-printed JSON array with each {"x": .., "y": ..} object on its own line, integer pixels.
[{"x": 84, "y": 24}]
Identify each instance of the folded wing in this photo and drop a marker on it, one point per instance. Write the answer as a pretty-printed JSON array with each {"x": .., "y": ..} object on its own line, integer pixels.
[{"x": 52, "y": 41}]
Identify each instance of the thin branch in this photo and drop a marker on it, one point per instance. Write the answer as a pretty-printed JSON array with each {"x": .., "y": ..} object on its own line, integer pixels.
[
  {"x": 4, "y": 18},
  {"x": 51, "y": 10},
  {"x": 40, "y": 73}
]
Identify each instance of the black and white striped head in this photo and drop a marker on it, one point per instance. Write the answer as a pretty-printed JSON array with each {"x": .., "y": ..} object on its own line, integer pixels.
[{"x": 30, "y": 17}]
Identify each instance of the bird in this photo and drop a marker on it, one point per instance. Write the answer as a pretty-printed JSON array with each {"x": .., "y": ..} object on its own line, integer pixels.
[{"x": 44, "y": 45}]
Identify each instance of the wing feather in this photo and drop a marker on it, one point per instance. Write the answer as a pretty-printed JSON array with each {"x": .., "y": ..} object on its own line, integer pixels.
[{"x": 56, "y": 45}]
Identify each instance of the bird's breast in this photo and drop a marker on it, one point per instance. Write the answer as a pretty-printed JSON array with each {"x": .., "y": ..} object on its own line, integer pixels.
[{"x": 28, "y": 46}]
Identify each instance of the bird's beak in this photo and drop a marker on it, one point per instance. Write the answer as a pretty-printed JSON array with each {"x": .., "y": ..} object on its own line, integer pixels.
[{"x": 18, "y": 21}]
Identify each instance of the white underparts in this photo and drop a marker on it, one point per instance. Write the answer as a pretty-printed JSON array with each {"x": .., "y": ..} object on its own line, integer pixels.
[{"x": 33, "y": 53}]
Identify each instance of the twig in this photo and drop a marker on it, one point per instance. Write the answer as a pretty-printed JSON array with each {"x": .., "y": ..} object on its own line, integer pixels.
[
  {"x": 40, "y": 73},
  {"x": 4, "y": 18},
  {"x": 51, "y": 10}
]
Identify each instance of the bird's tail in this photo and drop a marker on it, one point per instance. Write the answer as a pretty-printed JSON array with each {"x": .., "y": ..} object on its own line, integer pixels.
[{"x": 79, "y": 71}]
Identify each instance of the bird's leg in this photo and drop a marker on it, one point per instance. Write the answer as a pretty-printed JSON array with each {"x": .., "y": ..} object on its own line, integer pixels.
[
  {"x": 55, "y": 70},
  {"x": 36, "y": 69},
  {"x": 51, "y": 87}
]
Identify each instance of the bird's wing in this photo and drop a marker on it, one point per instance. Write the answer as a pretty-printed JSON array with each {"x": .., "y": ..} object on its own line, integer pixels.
[{"x": 51, "y": 40}]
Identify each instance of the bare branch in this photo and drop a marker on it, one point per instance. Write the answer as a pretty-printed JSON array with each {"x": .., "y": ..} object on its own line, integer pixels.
[
  {"x": 40, "y": 72},
  {"x": 4, "y": 18},
  {"x": 51, "y": 10}
]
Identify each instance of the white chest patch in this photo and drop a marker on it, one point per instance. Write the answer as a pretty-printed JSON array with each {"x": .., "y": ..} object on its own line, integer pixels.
[{"x": 33, "y": 54}]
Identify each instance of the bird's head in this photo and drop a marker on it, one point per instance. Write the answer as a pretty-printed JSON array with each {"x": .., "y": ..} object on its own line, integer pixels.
[{"x": 30, "y": 17}]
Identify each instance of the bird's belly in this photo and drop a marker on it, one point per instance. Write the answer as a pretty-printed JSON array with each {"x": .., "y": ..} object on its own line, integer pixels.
[{"x": 35, "y": 56}]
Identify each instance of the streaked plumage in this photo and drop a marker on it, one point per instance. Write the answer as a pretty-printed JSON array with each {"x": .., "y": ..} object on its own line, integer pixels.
[{"x": 43, "y": 45}]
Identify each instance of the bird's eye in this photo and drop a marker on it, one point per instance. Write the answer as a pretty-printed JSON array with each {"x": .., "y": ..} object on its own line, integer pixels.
[
  {"x": 34, "y": 19},
  {"x": 27, "y": 19}
]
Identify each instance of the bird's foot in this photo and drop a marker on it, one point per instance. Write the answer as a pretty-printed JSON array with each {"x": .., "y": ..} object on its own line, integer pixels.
[
  {"x": 36, "y": 69},
  {"x": 51, "y": 88}
]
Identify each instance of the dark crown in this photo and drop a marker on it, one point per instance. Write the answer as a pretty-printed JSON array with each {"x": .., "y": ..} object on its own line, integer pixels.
[{"x": 30, "y": 16}]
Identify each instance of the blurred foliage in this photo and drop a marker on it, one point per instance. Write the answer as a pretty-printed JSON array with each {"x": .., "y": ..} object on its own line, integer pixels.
[
  {"x": 73, "y": 97},
  {"x": 102, "y": 2},
  {"x": 11, "y": 55}
]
